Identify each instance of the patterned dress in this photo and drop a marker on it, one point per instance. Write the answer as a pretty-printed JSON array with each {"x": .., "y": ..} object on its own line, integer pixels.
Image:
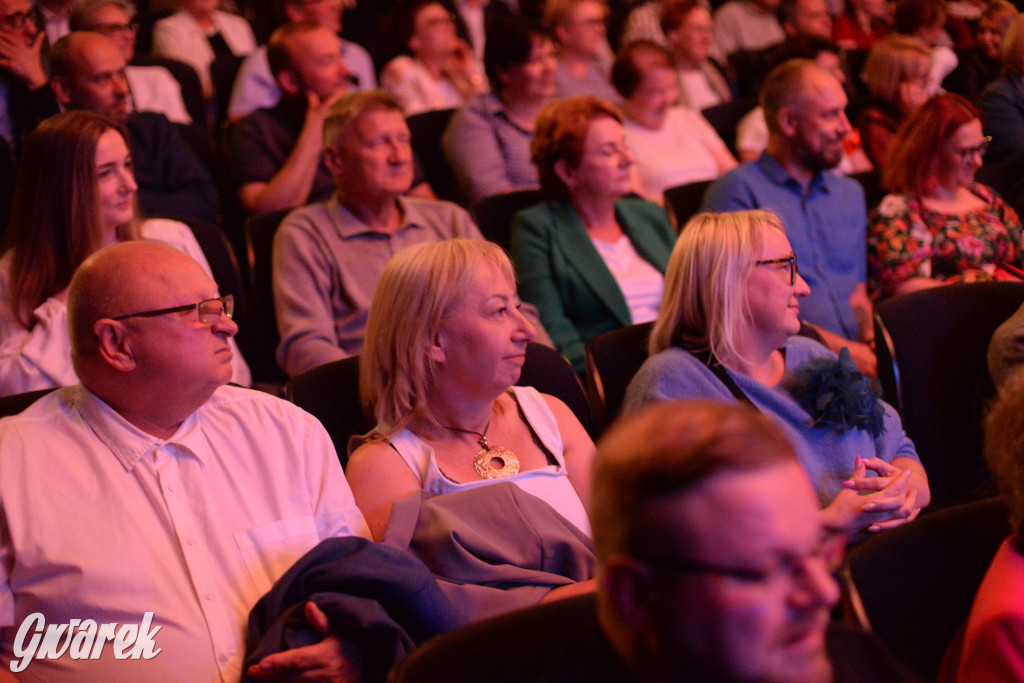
[{"x": 907, "y": 240}]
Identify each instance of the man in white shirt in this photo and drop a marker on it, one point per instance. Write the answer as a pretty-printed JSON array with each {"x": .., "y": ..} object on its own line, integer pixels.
[{"x": 154, "y": 497}]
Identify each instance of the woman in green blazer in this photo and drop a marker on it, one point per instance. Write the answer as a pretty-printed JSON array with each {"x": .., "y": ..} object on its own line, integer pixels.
[{"x": 590, "y": 258}]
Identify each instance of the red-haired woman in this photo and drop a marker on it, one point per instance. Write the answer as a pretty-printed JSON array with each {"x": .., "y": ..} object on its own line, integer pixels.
[{"x": 940, "y": 226}]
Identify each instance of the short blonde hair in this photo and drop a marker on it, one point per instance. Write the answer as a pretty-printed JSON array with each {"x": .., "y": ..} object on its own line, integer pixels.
[
  {"x": 892, "y": 61},
  {"x": 705, "y": 304},
  {"x": 346, "y": 110},
  {"x": 418, "y": 290},
  {"x": 1012, "y": 50}
]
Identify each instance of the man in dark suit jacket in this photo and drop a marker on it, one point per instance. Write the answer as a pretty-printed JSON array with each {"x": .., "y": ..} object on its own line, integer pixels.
[{"x": 88, "y": 73}]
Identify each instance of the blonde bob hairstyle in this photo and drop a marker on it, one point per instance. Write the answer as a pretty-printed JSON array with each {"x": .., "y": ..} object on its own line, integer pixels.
[
  {"x": 892, "y": 61},
  {"x": 705, "y": 304},
  {"x": 419, "y": 288}
]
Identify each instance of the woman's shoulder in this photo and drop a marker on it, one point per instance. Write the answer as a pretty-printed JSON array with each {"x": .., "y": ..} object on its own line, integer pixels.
[
  {"x": 672, "y": 374},
  {"x": 638, "y": 206},
  {"x": 401, "y": 66},
  {"x": 800, "y": 349}
]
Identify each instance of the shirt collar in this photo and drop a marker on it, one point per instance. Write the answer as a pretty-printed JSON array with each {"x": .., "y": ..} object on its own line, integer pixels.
[
  {"x": 780, "y": 176},
  {"x": 128, "y": 443},
  {"x": 349, "y": 225}
]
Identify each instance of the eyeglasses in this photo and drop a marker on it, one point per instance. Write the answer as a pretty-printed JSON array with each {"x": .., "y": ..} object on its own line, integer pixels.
[
  {"x": 791, "y": 260},
  {"x": 827, "y": 553},
  {"x": 209, "y": 310},
  {"x": 14, "y": 22},
  {"x": 965, "y": 154},
  {"x": 111, "y": 30}
]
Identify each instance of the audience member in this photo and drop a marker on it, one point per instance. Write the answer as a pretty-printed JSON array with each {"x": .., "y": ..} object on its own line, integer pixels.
[
  {"x": 727, "y": 330},
  {"x": 824, "y": 214},
  {"x": 445, "y": 344},
  {"x": 703, "y": 82},
  {"x": 329, "y": 255},
  {"x": 752, "y": 130},
  {"x": 805, "y": 18},
  {"x": 747, "y": 25},
  {"x": 475, "y": 19},
  {"x": 940, "y": 226},
  {"x": 53, "y": 18},
  {"x": 199, "y": 33},
  {"x": 896, "y": 75},
  {"x": 711, "y": 566},
  {"x": 487, "y": 143},
  {"x": 256, "y": 87},
  {"x": 996, "y": 623},
  {"x": 24, "y": 98},
  {"x": 437, "y": 69},
  {"x": 152, "y": 88},
  {"x": 862, "y": 24},
  {"x": 584, "y": 56},
  {"x": 981, "y": 64},
  {"x": 924, "y": 20},
  {"x": 75, "y": 194},
  {"x": 1003, "y": 100},
  {"x": 1006, "y": 350},
  {"x": 177, "y": 497},
  {"x": 590, "y": 259},
  {"x": 672, "y": 145},
  {"x": 644, "y": 23},
  {"x": 89, "y": 73},
  {"x": 275, "y": 152}
]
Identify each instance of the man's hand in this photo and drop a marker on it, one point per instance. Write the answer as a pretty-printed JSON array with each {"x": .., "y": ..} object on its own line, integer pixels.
[
  {"x": 24, "y": 61},
  {"x": 860, "y": 302},
  {"x": 331, "y": 660}
]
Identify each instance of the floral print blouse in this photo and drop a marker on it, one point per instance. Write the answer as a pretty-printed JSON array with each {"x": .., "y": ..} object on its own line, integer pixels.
[{"x": 907, "y": 240}]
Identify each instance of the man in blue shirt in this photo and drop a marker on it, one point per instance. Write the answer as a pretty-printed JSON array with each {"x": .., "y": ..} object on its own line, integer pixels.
[{"x": 824, "y": 214}]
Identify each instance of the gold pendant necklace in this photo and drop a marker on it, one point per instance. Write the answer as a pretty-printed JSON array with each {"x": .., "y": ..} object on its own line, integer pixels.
[{"x": 491, "y": 462}]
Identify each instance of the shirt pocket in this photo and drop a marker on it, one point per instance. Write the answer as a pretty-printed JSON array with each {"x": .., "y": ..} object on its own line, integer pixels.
[{"x": 269, "y": 550}]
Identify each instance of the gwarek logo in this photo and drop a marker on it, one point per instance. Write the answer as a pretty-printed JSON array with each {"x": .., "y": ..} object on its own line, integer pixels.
[{"x": 82, "y": 639}]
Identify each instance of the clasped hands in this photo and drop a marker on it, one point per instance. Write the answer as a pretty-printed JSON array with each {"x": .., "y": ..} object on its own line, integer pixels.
[{"x": 872, "y": 504}]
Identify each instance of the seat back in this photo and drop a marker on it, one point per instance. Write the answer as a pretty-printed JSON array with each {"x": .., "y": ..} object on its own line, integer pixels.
[
  {"x": 260, "y": 347},
  {"x": 426, "y": 130},
  {"x": 493, "y": 215},
  {"x": 684, "y": 201},
  {"x": 612, "y": 359},
  {"x": 872, "y": 184},
  {"x": 914, "y": 585},
  {"x": 223, "y": 71},
  {"x": 549, "y": 372},
  {"x": 330, "y": 393},
  {"x": 726, "y": 116},
  {"x": 939, "y": 340},
  {"x": 16, "y": 403}
]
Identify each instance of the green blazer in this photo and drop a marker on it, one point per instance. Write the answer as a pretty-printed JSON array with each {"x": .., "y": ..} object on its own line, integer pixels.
[{"x": 563, "y": 275}]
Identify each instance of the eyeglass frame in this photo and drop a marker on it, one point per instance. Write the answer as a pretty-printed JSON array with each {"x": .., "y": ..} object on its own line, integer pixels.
[
  {"x": 965, "y": 154},
  {"x": 832, "y": 541},
  {"x": 791, "y": 260},
  {"x": 228, "y": 309},
  {"x": 111, "y": 30},
  {"x": 16, "y": 20}
]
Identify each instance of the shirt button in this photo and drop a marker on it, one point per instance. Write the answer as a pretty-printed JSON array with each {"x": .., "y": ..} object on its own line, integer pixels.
[
  {"x": 170, "y": 488},
  {"x": 224, "y": 657},
  {"x": 190, "y": 541},
  {"x": 208, "y": 596}
]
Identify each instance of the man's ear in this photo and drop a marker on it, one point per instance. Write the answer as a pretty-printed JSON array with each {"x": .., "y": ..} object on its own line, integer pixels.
[
  {"x": 114, "y": 344},
  {"x": 788, "y": 121},
  {"x": 289, "y": 82},
  {"x": 627, "y": 587},
  {"x": 61, "y": 90},
  {"x": 332, "y": 160}
]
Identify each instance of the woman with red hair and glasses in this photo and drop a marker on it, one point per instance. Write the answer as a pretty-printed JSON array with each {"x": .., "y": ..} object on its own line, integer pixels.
[{"x": 940, "y": 226}]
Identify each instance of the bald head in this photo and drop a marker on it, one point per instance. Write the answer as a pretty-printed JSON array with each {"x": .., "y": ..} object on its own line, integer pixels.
[
  {"x": 88, "y": 73},
  {"x": 123, "y": 278}
]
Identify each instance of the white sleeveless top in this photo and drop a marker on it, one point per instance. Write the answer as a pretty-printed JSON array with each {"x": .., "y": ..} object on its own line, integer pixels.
[{"x": 550, "y": 484}]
